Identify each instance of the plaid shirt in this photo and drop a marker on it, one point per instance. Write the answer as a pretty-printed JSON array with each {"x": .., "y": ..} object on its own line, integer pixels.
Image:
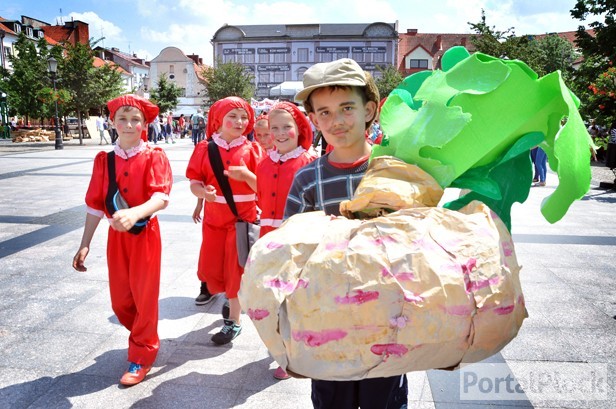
[{"x": 321, "y": 186}]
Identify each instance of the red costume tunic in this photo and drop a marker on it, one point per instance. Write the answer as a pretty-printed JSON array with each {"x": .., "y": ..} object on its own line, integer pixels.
[
  {"x": 218, "y": 265},
  {"x": 134, "y": 260},
  {"x": 274, "y": 178}
]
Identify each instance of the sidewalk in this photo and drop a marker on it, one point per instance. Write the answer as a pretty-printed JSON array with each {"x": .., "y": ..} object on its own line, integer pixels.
[{"x": 61, "y": 346}]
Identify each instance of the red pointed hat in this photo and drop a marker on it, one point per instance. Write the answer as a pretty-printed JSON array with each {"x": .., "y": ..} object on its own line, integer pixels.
[
  {"x": 304, "y": 139},
  {"x": 221, "y": 108},
  {"x": 148, "y": 109}
]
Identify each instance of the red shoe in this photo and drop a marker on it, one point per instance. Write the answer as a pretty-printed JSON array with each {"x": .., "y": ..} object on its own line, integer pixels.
[
  {"x": 281, "y": 374},
  {"x": 135, "y": 374}
]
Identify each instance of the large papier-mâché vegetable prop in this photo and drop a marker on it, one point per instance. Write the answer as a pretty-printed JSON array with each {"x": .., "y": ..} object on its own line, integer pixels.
[{"x": 472, "y": 124}]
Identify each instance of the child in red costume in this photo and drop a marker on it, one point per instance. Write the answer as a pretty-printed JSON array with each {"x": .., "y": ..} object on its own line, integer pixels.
[
  {"x": 144, "y": 179},
  {"x": 229, "y": 121},
  {"x": 292, "y": 135},
  {"x": 262, "y": 133}
]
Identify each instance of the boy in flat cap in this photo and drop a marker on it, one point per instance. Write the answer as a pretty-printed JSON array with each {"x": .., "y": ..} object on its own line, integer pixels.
[
  {"x": 342, "y": 102},
  {"x": 129, "y": 199}
]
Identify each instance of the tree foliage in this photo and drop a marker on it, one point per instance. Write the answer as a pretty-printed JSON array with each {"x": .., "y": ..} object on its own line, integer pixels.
[
  {"x": 165, "y": 94},
  {"x": 595, "y": 79},
  {"x": 228, "y": 79},
  {"x": 390, "y": 78},
  {"x": 28, "y": 78}
]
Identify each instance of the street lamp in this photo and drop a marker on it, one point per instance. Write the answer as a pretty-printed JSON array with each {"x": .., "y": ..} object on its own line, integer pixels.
[{"x": 52, "y": 66}]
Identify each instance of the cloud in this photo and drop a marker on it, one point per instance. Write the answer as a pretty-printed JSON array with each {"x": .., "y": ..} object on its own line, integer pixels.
[
  {"x": 98, "y": 27},
  {"x": 176, "y": 35}
]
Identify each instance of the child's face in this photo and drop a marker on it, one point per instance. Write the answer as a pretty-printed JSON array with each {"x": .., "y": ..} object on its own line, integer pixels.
[
  {"x": 263, "y": 136},
  {"x": 129, "y": 122},
  {"x": 284, "y": 131},
  {"x": 234, "y": 124},
  {"x": 341, "y": 115}
]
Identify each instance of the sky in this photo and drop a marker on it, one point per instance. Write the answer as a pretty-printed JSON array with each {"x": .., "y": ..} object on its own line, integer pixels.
[{"x": 145, "y": 27}]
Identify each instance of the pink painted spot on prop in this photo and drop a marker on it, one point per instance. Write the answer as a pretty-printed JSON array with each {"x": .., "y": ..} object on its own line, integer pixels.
[
  {"x": 257, "y": 314},
  {"x": 403, "y": 276},
  {"x": 337, "y": 246},
  {"x": 315, "y": 339},
  {"x": 507, "y": 248},
  {"x": 398, "y": 322},
  {"x": 359, "y": 297},
  {"x": 384, "y": 240},
  {"x": 504, "y": 310},
  {"x": 387, "y": 350},
  {"x": 385, "y": 272},
  {"x": 469, "y": 266},
  {"x": 460, "y": 310},
  {"x": 273, "y": 245},
  {"x": 478, "y": 285},
  {"x": 410, "y": 297},
  {"x": 285, "y": 286}
]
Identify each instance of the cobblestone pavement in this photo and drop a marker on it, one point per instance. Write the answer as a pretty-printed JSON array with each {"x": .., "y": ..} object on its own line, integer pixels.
[{"x": 62, "y": 347}]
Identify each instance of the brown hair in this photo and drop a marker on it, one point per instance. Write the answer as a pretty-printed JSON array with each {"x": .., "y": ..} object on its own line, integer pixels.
[{"x": 367, "y": 93}]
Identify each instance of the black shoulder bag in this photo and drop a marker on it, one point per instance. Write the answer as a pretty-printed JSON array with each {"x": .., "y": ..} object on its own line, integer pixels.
[
  {"x": 246, "y": 233},
  {"x": 114, "y": 200}
]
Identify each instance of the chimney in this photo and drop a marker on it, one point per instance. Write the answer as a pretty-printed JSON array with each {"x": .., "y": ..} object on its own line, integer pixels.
[{"x": 411, "y": 31}]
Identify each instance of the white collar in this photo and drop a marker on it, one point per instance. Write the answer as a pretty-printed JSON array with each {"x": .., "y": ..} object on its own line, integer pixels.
[
  {"x": 295, "y": 153},
  {"x": 239, "y": 141},
  {"x": 135, "y": 150}
]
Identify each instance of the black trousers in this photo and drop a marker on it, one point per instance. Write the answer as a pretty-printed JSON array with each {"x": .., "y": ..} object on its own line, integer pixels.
[{"x": 375, "y": 393}]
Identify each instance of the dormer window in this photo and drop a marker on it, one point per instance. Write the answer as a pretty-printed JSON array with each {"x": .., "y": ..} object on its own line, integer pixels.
[
  {"x": 29, "y": 32},
  {"x": 17, "y": 28},
  {"x": 41, "y": 34}
]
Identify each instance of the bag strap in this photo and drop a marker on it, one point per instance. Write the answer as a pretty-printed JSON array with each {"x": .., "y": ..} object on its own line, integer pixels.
[
  {"x": 113, "y": 184},
  {"x": 223, "y": 181}
]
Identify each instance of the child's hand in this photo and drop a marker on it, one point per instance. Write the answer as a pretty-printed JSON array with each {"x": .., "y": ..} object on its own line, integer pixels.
[
  {"x": 124, "y": 220},
  {"x": 197, "y": 214},
  {"x": 210, "y": 194},
  {"x": 80, "y": 258},
  {"x": 240, "y": 172}
]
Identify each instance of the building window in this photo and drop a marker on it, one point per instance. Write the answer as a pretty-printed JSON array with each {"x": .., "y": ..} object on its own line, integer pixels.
[
  {"x": 300, "y": 73},
  {"x": 41, "y": 34},
  {"x": 302, "y": 55},
  {"x": 7, "y": 51},
  {"x": 325, "y": 57},
  {"x": 264, "y": 77},
  {"x": 17, "y": 28},
  {"x": 359, "y": 57},
  {"x": 418, "y": 64},
  {"x": 341, "y": 55},
  {"x": 171, "y": 69},
  {"x": 264, "y": 58},
  {"x": 280, "y": 58},
  {"x": 228, "y": 58},
  {"x": 279, "y": 77},
  {"x": 29, "y": 32},
  {"x": 378, "y": 57},
  {"x": 249, "y": 58}
]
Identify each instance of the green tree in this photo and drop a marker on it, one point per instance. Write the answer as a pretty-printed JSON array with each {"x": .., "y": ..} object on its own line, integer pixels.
[
  {"x": 228, "y": 79},
  {"x": 390, "y": 78},
  {"x": 88, "y": 86},
  {"x": 594, "y": 79},
  {"x": 165, "y": 94},
  {"x": 28, "y": 78}
]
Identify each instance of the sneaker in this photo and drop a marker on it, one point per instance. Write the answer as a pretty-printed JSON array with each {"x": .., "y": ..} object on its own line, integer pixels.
[
  {"x": 226, "y": 310},
  {"x": 204, "y": 296},
  {"x": 281, "y": 374},
  {"x": 135, "y": 374},
  {"x": 228, "y": 333}
]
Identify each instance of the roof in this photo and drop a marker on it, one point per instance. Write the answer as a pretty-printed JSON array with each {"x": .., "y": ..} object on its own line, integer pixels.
[
  {"x": 132, "y": 59},
  {"x": 99, "y": 62},
  {"x": 303, "y": 30},
  {"x": 435, "y": 44}
]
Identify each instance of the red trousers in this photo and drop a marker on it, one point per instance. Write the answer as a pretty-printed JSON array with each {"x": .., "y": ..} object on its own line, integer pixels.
[
  {"x": 134, "y": 283},
  {"x": 218, "y": 265}
]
